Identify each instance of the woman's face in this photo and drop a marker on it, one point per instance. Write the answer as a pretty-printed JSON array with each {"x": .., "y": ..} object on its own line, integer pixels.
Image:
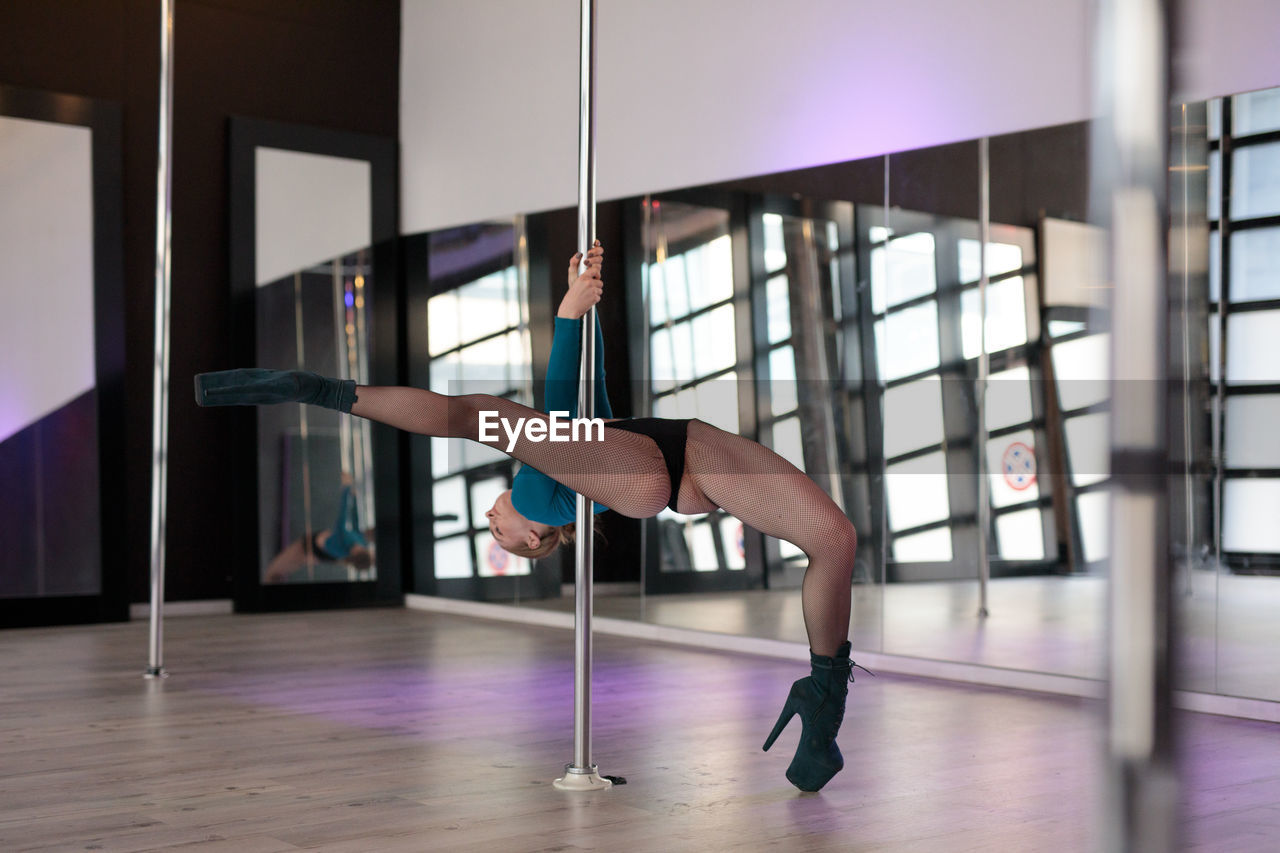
[{"x": 509, "y": 527}]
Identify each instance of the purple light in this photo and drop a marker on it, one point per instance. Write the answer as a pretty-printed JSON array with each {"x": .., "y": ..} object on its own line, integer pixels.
[{"x": 349, "y": 298}]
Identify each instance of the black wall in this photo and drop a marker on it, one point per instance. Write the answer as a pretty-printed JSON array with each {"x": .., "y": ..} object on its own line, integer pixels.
[{"x": 327, "y": 63}]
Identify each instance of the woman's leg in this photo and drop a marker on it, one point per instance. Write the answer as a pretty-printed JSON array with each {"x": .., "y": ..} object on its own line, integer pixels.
[
  {"x": 764, "y": 490},
  {"x": 286, "y": 562},
  {"x": 624, "y": 471},
  {"x": 621, "y": 470}
]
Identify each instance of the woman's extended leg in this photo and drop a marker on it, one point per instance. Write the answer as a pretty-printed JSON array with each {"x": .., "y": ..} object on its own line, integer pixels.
[
  {"x": 621, "y": 470},
  {"x": 762, "y": 489},
  {"x": 624, "y": 471}
]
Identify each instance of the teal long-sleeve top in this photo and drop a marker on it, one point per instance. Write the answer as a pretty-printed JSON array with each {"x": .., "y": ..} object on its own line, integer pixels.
[{"x": 535, "y": 495}]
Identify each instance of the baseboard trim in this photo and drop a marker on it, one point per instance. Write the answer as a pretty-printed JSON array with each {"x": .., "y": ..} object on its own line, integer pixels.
[
  {"x": 1227, "y": 706},
  {"x": 207, "y": 607}
]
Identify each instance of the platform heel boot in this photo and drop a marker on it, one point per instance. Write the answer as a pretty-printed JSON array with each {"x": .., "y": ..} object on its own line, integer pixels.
[
  {"x": 819, "y": 700},
  {"x": 257, "y": 386}
]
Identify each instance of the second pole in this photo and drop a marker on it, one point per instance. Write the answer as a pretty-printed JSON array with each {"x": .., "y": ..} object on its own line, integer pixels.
[{"x": 582, "y": 775}]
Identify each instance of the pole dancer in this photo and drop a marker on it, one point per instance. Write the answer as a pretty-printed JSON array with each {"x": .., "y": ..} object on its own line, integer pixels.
[{"x": 636, "y": 467}]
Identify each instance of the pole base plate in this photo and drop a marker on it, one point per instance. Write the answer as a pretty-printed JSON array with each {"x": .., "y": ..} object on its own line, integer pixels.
[{"x": 581, "y": 779}]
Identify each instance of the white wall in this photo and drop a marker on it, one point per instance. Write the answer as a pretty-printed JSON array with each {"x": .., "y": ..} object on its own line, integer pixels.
[
  {"x": 694, "y": 91},
  {"x": 1228, "y": 46},
  {"x": 46, "y": 269}
]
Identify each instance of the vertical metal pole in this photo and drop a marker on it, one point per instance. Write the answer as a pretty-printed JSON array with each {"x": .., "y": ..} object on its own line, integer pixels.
[
  {"x": 984, "y": 370},
  {"x": 160, "y": 382},
  {"x": 304, "y": 432},
  {"x": 581, "y": 774},
  {"x": 343, "y": 352},
  {"x": 880, "y": 391},
  {"x": 1131, "y": 166},
  {"x": 1188, "y": 495}
]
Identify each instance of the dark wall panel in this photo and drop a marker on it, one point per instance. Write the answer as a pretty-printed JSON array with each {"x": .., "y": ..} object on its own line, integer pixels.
[
  {"x": 69, "y": 466},
  {"x": 19, "y": 572},
  {"x": 50, "y": 539},
  {"x": 328, "y": 63}
]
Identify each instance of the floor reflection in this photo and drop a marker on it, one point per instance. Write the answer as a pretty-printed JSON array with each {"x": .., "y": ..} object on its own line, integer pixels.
[{"x": 1226, "y": 624}]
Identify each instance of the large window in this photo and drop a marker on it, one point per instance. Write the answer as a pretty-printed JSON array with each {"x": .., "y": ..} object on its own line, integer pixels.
[
  {"x": 1244, "y": 320},
  {"x": 803, "y": 356},
  {"x": 478, "y": 340},
  {"x": 926, "y": 317},
  {"x": 693, "y": 356}
]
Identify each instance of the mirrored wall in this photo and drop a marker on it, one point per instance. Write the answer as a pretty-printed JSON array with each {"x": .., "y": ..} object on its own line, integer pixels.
[
  {"x": 314, "y": 280},
  {"x": 927, "y": 335},
  {"x": 315, "y": 471},
  {"x": 1225, "y": 264},
  {"x": 472, "y": 284},
  {"x": 62, "y": 529}
]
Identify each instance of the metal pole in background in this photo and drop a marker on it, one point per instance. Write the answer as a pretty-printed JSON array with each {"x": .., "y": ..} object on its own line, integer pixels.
[
  {"x": 160, "y": 385},
  {"x": 1131, "y": 174},
  {"x": 581, "y": 775},
  {"x": 984, "y": 371}
]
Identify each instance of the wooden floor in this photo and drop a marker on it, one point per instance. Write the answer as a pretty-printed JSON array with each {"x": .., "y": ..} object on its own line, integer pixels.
[{"x": 402, "y": 730}]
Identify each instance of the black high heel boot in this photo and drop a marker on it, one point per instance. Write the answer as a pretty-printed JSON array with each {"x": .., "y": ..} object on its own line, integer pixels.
[
  {"x": 819, "y": 700},
  {"x": 257, "y": 386}
]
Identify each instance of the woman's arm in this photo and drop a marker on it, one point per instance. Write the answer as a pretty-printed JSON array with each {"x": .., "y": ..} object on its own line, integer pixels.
[{"x": 561, "y": 394}]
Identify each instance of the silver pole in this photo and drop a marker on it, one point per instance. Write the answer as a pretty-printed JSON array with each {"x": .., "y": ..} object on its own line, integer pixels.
[
  {"x": 984, "y": 370},
  {"x": 160, "y": 383},
  {"x": 1131, "y": 157},
  {"x": 304, "y": 432},
  {"x": 1188, "y": 495},
  {"x": 581, "y": 774},
  {"x": 880, "y": 390}
]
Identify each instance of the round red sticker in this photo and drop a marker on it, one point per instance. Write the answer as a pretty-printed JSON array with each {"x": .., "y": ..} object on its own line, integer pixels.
[
  {"x": 498, "y": 558},
  {"x": 1019, "y": 466}
]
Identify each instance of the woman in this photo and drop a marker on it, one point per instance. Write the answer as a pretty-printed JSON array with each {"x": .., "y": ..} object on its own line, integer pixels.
[
  {"x": 341, "y": 542},
  {"x": 636, "y": 467}
]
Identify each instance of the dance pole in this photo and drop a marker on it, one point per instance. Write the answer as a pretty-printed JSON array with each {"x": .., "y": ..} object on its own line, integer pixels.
[
  {"x": 1131, "y": 145},
  {"x": 984, "y": 372},
  {"x": 160, "y": 384},
  {"x": 581, "y": 775}
]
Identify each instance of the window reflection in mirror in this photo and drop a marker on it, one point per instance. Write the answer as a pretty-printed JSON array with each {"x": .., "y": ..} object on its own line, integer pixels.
[{"x": 1229, "y": 549}]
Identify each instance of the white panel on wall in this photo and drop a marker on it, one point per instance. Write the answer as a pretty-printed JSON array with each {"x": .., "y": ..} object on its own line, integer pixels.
[
  {"x": 46, "y": 269},
  {"x": 694, "y": 91},
  {"x": 309, "y": 208},
  {"x": 1226, "y": 48}
]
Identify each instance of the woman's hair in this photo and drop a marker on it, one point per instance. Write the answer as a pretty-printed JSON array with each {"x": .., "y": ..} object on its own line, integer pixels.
[
  {"x": 565, "y": 534},
  {"x": 360, "y": 558}
]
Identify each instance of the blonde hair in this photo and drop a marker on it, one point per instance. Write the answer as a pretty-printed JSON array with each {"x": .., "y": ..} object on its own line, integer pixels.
[{"x": 556, "y": 537}]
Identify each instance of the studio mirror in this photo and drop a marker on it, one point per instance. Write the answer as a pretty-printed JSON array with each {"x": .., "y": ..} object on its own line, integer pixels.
[
  {"x": 309, "y": 276},
  {"x": 62, "y": 346},
  {"x": 1224, "y": 325}
]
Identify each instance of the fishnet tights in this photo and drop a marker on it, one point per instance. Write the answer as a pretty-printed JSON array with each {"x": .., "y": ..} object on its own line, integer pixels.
[{"x": 626, "y": 472}]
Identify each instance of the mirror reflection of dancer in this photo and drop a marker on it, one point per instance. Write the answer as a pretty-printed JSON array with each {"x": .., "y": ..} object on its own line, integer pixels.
[
  {"x": 341, "y": 542},
  {"x": 640, "y": 466}
]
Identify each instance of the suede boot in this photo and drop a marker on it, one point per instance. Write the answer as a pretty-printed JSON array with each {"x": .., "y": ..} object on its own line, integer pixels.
[
  {"x": 819, "y": 699},
  {"x": 257, "y": 386}
]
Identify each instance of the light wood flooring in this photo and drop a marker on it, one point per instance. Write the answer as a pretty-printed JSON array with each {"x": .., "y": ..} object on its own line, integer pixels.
[{"x": 396, "y": 730}]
